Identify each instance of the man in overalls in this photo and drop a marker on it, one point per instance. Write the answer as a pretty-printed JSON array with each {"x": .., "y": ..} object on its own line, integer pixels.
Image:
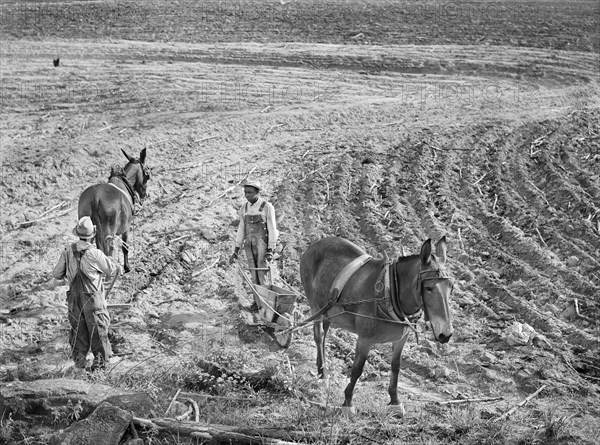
[
  {"x": 82, "y": 264},
  {"x": 257, "y": 231}
]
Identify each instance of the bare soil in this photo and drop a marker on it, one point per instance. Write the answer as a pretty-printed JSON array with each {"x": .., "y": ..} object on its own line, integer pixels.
[{"x": 384, "y": 122}]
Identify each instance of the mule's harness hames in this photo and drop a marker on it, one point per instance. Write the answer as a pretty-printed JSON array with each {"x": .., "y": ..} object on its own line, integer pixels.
[{"x": 337, "y": 286}]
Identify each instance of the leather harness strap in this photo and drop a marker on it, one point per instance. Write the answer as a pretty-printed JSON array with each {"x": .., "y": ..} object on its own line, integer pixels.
[
  {"x": 338, "y": 285},
  {"x": 345, "y": 274},
  {"x": 127, "y": 195}
]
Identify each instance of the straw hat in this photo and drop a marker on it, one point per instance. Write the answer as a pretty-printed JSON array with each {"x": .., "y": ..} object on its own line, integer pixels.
[
  {"x": 253, "y": 183},
  {"x": 85, "y": 228}
]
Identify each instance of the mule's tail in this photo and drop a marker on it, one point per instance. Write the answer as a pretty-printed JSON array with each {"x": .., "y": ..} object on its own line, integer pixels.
[
  {"x": 98, "y": 216},
  {"x": 309, "y": 264}
]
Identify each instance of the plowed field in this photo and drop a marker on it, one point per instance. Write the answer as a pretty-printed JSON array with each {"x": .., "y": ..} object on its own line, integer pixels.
[{"x": 383, "y": 122}]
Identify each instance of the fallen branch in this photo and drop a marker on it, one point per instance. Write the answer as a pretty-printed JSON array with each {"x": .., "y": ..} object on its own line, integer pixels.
[
  {"x": 191, "y": 395},
  {"x": 480, "y": 179},
  {"x": 206, "y": 139},
  {"x": 172, "y": 401},
  {"x": 541, "y": 237},
  {"x": 45, "y": 218},
  {"x": 232, "y": 187},
  {"x": 462, "y": 245},
  {"x": 172, "y": 300},
  {"x": 459, "y": 401},
  {"x": 271, "y": 129},
  {"x": 196, "y": 409},
  {"x": 222, "y": 194},
  {"x": 387, "y": 124},
  {"x": 53, "y": 208},
  {"x": 523, "y": 403},
  {"x": 186, "y": 167},
  {"x": 579, "y": 314},
  {"x": 186, "y": 414},
  {"x": 180, "y": 238},
  {"x": 435, "y": 147},
  {"x": 195, "y": 274},
  {"x": 541, "y": 192},
  {"x": 170, "y": 232},
  {"x": 313, "y": 172}
]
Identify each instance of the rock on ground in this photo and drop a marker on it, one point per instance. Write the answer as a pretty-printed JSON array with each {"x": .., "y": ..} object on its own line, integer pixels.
[{"x": 105, "y": 426}]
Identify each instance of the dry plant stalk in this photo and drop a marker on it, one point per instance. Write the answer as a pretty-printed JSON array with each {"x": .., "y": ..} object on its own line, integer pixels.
[
  {"x": 232, "y": 187},
  {"x": 172, "y": 401},
  {"x": 523, "y": 403},
  {"x": 33, "y": 221},
  {"x": 580, "y": 315}
]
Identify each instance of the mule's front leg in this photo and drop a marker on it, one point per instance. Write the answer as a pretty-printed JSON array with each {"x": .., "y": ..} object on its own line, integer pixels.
[
  {"x": 360, "y": 357},
  {"x": 125, "y": 248},
  {"x": 397, "y": 348}
]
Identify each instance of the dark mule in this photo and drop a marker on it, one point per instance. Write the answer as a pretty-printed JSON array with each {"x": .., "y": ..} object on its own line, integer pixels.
[
  {"x": 418, "y": 283},
  {"x": 111, "y": 205}
]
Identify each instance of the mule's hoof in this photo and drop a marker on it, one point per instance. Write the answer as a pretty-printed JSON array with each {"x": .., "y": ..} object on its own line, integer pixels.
[
  {"x": 396, "y": 410},
  {"x": 126, "y": 269},
  {"x": 348, "y": 411}
]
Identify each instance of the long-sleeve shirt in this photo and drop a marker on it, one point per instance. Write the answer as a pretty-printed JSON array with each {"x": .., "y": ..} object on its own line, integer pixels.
[
  {"x": 268, "y": 215},
  {"x": 94, "y": 263}
]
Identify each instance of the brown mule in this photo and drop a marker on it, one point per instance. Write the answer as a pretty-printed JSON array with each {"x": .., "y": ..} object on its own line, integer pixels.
[
  {"x": 418, "y": 283},
  {"x": 111, "y": 205}
]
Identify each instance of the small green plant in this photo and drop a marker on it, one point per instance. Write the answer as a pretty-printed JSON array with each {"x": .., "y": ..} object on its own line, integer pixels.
[
  {"x": 463, "y": 419},
  {"x": 7, "y": 429},
  {"x": 555, "y": 425},
  {"x": 68, "y": 414}
]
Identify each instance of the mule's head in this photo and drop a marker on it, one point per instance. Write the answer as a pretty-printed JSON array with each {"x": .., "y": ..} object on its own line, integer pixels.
[
  {"x": 433, "y": 289},
  {"x": 138, "y": 173}
]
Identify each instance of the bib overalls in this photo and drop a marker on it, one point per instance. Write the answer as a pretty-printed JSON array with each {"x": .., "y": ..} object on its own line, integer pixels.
[{"x": 256, "y": 239}]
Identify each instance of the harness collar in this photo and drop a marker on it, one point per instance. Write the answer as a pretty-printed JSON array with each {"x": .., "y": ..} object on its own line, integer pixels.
[
  {"x": 130, "y": 192},
  {"x": 393, "y": 298}
]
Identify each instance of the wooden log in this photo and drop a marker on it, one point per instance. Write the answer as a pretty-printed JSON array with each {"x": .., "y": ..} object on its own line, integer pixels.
[{"x": 217, "y": 433}]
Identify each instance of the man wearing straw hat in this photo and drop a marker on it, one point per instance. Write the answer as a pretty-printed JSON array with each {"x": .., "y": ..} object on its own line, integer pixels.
[
  {"x": 82, "y": 264},
  {"x": 257, "y": 231}
]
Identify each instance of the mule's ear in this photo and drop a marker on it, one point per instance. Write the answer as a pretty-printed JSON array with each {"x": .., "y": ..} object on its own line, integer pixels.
[
  {"x": 129, "y": 158},
  {"x": 440, "y": 249},
  {"x": 426, "y": 252},
  {"x": 143, "y": 156}
]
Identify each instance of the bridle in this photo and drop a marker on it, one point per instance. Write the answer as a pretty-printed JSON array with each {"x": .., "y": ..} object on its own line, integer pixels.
[
  {"x": 145, "y": 177},
  {"x": 436, "y": 275}
]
